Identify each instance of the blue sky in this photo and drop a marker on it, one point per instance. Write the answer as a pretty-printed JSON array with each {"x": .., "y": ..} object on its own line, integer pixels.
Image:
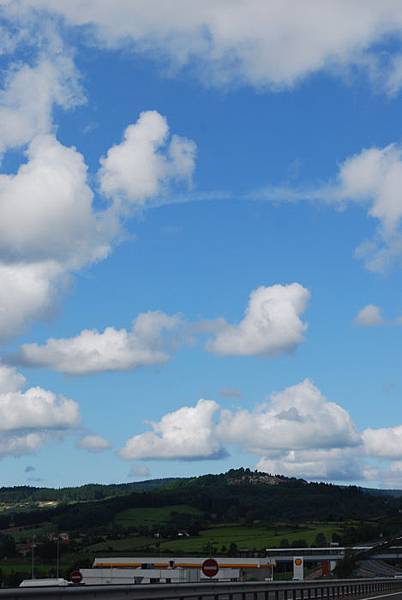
[{"x": 229, "y": 222}]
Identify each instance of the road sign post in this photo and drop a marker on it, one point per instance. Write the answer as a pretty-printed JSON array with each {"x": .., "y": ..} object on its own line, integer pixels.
[
  {"x": 210, "y": 567},
  {"x": 76, "y": 577}
]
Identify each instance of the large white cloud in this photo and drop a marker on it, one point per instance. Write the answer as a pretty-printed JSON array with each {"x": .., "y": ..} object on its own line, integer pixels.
[
  {"x": 49, "y": 228},
  {"x": 28, "y": 417},
  {"x": 271, "y": 324},
  {"x": 298, "y": 433},
  {"x": 272, "y": 43},
  {"x": 185, "y": 434},
  {"x": 143, "y": 165},
  {"x": 299, "y": 417},
  {"x": 148, "y": 343},
  {"x": 46, "y": 210}
]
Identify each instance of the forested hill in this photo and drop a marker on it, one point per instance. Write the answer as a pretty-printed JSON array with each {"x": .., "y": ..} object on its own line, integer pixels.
[
  {"x": 83, "y": 493},
  {"x": 236, "y": 496}
]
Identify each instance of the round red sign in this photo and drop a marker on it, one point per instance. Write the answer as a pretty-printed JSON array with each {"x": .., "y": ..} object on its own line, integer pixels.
[
  {"x": 76, "y": 577},
  {"x": 210, "y": 567}
]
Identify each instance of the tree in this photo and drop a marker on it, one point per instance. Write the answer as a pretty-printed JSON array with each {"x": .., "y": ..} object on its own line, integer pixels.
[{"x": 320, "y": 540}]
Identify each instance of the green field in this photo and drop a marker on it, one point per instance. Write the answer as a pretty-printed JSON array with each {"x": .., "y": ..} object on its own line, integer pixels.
[
  {"x": 128, "y": 544},
  {"x": 133, "y": 517},
  {"x": 247, "y": 538},
  {"x": 256, "y": 537}
]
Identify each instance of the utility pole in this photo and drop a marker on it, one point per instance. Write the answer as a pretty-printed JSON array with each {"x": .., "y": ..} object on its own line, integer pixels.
[
  {"x": 33, "y": 557},
  {"x": 58, "y": 556}
]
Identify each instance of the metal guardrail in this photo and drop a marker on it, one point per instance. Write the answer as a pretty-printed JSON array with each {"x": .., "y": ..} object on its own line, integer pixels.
[{"x": 308, "y": 590}]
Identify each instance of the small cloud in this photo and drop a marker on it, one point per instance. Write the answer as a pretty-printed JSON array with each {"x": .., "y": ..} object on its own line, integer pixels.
[
  {"x": 35, "y": 479},
  {"x": 271, "y": 324},
  {"x": 230, "y": 392},
  {"x": 139, "y": 471},
  {"x": 93, "y": 443},
  {"x": 369, "y": 316},
  {"x": 29, "y": 469}
]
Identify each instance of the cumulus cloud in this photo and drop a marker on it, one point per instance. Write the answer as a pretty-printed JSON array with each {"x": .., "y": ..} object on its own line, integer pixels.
[
  {"x": 299, "y": 417},
  {"x": 49, "y": 229},
  {"x": 12, "y": 444},
  {"x": 58, "y": 222},
  {"x": 149, "y": 342},
  {"x": 271, "y": 324},
  {"x": 369, "y": 316},
  {"x": 385, "y": 442},
  {"x": 93, "y": 443},
  {"x": 143, "y": 165},
  {"x": 28, "y": 417},
  {"x": 336, "y": 464},
  {"x": 259, "y": 43},
  {"x": 37, "y": 408},
  {"x": 27, "y": 292},
  {"x": 298, "y": 433},
  {"x": 185, "y": 434}
]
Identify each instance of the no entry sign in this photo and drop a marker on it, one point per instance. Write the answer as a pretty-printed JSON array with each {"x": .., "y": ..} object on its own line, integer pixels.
[
  {"x": 76, "y": 577},
  {"x": 210, "y": 567}
]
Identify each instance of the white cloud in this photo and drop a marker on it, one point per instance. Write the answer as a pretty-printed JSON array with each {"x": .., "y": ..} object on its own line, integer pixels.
[
  {"x": 27, "y": 292},
  {"x": 29, "y": 417},
  {"x": 335, "y": 464},
  {"x": 30, "y": 95},
  {"x": 93, "y": 443},
  {"x": 49, "y": 227},
  {"x": 369, "y": 316},
  {"x": 18, "y": 445},
  {"x": 385, "y": 442},
  {"x": 46, "y": 210},
  {"x": 185, "y": 434},
  {"x": 299, "y": 417},
  {"x": 143, "y": 165},
  {"x": 373, "y": 178},
  {"x": 269, "y": 43},
  {"x": 271, "y": 324},
  {"x": 37, "y": 408},
  {"x": 149, "y": 342}
]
